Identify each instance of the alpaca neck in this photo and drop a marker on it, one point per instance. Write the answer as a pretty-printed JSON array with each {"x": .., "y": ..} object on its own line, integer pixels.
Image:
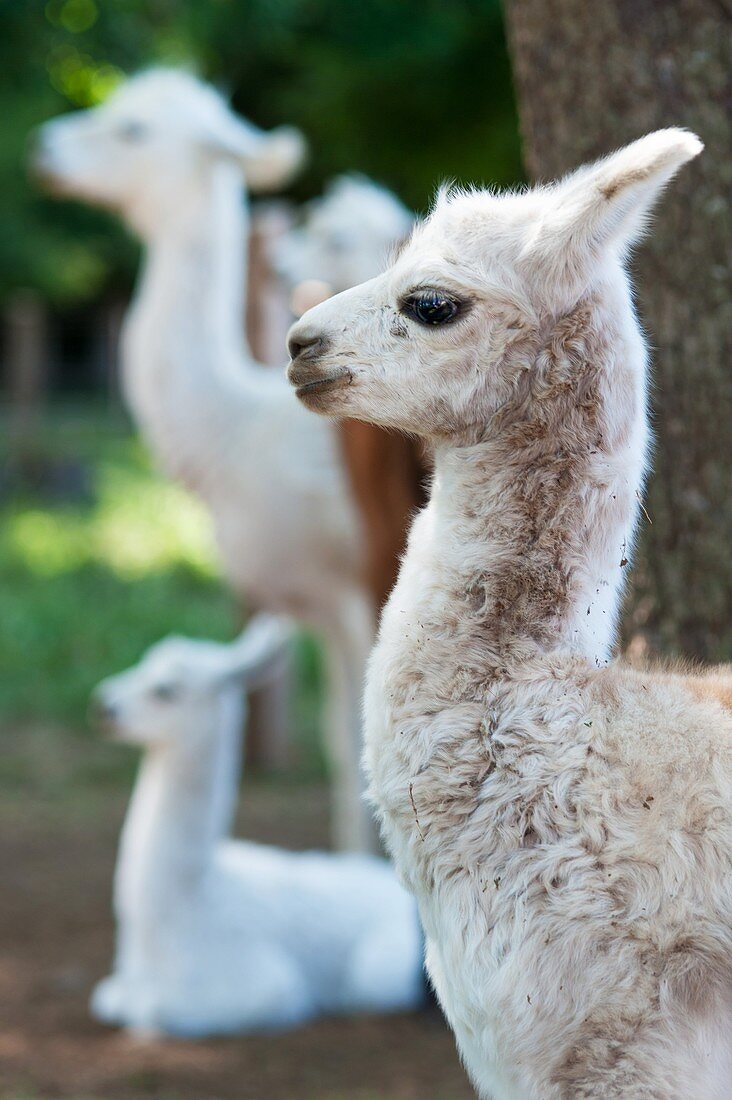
[
  {"x": 194, "y": 280},
  {"x": 182, "y": 806},
  {"x": 536, "y": 519},
  {"x": 185, "y": 358}
]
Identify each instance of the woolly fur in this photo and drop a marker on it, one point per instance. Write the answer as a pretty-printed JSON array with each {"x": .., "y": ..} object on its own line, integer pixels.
[
  {"x": 565, "y": 822},
  {"x": 216, "y": 935}
]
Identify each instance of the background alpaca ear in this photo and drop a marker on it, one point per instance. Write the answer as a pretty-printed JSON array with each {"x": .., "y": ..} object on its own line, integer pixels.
[
  {"x": 255, "y": 654},
  {"x": 269, "y": 159},
  {"x": 607, "y": 204}
]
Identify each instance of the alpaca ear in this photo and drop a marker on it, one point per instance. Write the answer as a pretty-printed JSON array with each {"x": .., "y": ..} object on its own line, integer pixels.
[
  {"x": 607, "y": 204},
  {"x": 269, "y": 160},
  {"x": 279, "y": 158},
  {"x": 255, "y": 654}
]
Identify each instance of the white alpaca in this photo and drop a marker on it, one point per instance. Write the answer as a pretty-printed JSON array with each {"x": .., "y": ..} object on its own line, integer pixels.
[
  {"x": 565, "y": 823},
  {"x": 346, "y": 237},
  {"x": 218, "y": 935},
  {"x": 168, "y": 154}
]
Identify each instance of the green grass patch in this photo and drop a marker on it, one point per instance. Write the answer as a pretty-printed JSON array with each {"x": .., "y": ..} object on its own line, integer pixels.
[{"x": 89, "y": 580}]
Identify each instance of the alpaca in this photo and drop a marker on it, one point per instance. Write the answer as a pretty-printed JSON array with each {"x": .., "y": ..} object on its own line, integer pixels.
[
  {"x": 218, "y": 935},
  {"x": 564, "y": 821},
  {"x": 167, "y": 153},
  {"x": 346, "y": 237}
]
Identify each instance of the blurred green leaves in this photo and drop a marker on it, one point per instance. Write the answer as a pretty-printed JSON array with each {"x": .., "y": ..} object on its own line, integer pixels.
[
  {"x": 138, "y": 526},
  {"x": 410, "y": 92},
  {"x": 74, "y": 16},
  {"x": 86, "y": 586}
]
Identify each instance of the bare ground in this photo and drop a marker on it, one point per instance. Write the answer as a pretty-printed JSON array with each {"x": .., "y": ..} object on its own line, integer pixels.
[{"x": 56, "y": 934}]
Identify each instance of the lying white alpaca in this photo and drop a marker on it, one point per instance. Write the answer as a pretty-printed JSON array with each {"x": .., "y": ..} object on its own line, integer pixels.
[
  {"x": 347, "y": 237},
  {"x": 565, "y": 824},
  {"x": 218, "y": 935},
  {"x": 168, "y": 154}
]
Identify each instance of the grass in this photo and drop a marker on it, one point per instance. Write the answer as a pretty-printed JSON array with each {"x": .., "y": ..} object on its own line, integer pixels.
[{"x": 99, "y": 558}]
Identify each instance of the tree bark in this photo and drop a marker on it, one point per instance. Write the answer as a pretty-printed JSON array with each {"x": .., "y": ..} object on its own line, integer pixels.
[
  {"x": 26, "y": 376},
  {"x": 590, "y": 77}
]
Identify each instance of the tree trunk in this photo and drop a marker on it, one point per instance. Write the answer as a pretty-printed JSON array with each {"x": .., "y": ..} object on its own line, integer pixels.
[
  {"x": 591, "y": 77},
  {"x": 26, "y": 372}
]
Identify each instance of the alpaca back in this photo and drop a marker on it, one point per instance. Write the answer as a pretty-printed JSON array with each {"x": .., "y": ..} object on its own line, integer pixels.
[{"x": 320, "y": 908}]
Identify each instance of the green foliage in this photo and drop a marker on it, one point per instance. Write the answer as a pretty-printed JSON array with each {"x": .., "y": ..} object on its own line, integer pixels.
[
  {"x": 86, "y": 586},
  {"x": 61, "y": 636},
  {"x": 411, "y": 92}
]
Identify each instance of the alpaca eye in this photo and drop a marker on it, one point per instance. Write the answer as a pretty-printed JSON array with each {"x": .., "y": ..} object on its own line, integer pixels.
[
  {"x": 431, "y": 307},
  {"x": 132, "y": 131},
  {"x": 165, "y": 693}
]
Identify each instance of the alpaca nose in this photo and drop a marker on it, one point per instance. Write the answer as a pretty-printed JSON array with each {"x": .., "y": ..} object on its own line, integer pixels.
[
  {"x": 38, "y": 150},
  {"x": 101, "y": 711},
  {"x": 306, "y": 343}
]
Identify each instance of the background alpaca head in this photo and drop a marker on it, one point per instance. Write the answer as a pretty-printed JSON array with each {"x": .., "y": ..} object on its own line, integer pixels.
[
  {"x": 435, "y": 345},
  {"x": 171, "y": 695},
  {"x": 157, "y": 136},
  {"x": 346, "y": 237}
]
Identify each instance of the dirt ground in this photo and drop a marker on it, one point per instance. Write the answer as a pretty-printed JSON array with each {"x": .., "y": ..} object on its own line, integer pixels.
[{"x": 56, "y": 935}]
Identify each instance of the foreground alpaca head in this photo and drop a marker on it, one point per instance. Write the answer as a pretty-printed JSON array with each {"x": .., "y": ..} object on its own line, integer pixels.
[
  {"x": 170, "y": 695},
  {"x": 437, "y": 344},
  {"x": 159, "y": 132},
  {"x": 346, "y": 236}
]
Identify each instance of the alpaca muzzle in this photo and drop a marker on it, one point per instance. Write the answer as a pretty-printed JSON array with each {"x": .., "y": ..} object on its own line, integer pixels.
[
  {"x": 305, "y": 371},
  {"x": 309, "y": 381}
]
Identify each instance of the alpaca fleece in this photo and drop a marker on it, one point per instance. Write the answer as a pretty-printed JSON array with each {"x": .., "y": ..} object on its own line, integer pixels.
[
  {"x": 218, "y": 935},
  {"x": 565, "y": 822}
]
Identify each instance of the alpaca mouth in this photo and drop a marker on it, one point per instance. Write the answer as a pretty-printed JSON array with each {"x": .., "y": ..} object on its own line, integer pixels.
[
  {"x": 50, "y": 181},
  {"x": 307, "y": 387}
]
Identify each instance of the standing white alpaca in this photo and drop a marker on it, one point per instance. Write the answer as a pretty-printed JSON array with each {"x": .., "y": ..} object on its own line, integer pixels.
[
  {"x": 565, "y": 823},
  {"x": 347, "y": 236},
  {"x": 168, "y": 154},
  {"x": 218, "y": 935}
]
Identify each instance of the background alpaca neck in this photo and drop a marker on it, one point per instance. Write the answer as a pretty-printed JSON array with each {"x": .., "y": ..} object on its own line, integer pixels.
[
  {"x": 185, "y": 354},
  {"x": 537, "y": 518},
  {"x": 182, "y": 806},
  {"x": 195, "y": 272}
]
